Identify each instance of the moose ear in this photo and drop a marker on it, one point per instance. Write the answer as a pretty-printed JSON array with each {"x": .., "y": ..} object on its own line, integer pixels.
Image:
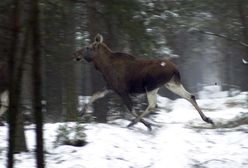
[{"x": 99, "y": 38}]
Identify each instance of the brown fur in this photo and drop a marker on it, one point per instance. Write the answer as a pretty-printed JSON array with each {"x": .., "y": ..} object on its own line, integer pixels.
[{"x": 126, "y": 73}]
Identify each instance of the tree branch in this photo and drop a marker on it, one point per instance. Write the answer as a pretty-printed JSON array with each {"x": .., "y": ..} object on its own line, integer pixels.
[
  {"x": 224, "y": 37},
  {"x": 221, "y": 36}
]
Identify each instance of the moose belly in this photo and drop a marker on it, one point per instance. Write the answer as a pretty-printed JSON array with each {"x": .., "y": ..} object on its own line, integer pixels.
[{"x": 146, "y": 83}]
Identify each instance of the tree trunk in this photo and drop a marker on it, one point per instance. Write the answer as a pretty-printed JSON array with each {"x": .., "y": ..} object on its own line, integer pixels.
[
  {"x": 69, "y": 75},
  {"x": 17, "y": 142},
  {"x": 53, "y": 83},
  {"x": 37, "y": 95},
  {"x": 94, "y": 81}
]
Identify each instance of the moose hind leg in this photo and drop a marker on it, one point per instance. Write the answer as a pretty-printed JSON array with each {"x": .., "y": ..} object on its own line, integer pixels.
[
  {"x": 177, "y": 88},
  {"x": 152, "y": 102},
  {"x": 146, "y": 123},
  {"x": 128, "y": 102}
]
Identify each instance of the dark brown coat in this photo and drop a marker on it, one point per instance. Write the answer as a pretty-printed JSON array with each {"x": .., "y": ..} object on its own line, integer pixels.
[{"x": 127, "y": 73}]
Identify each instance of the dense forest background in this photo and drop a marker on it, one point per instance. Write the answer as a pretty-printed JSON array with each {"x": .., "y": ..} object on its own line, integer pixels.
[{"x": 207, "y": 39}]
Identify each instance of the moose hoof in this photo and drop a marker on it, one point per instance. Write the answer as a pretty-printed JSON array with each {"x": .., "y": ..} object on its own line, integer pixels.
[
  {"x": 148, "y": 125},
  {"x": 209, "y": 120},
  {"x": 81, "y": 113},
  {"x": 135, "y": 121},
  {"x": 84, "y": 110}
]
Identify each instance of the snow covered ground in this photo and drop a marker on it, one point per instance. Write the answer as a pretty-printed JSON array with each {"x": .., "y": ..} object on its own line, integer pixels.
[{"x": 180, "y": 139}]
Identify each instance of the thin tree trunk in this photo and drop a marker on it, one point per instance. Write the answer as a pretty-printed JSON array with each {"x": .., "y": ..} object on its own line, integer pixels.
[
  {"x": 52, "y": 62},
  {"x": 37, "y": 95},
  {"x": 12, "y": 108},
  {"x": 69, "y": 76}
]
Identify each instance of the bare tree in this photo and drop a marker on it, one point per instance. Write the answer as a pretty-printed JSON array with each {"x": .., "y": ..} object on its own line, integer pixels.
[
  {"x": 36, "y": 75},
  {"x": 19, "y": 38}
]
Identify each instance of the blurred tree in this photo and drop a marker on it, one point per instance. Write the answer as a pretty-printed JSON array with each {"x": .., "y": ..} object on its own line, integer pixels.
[
  {"x": 19, "y": 38},
  {"x": 51, "y": 37},
  {"x": 5, "y": 40},
  {"x": 69, "y": 78},
  {"x": 5, "y": 30},
  {"x": 59, "y": 70},
  {"x": 179, "y": 19},
  {"x": 37, "y": 78}
]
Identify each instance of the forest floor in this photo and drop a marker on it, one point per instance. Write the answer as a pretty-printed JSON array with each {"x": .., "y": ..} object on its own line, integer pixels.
[{"x": 179, "y": 139}]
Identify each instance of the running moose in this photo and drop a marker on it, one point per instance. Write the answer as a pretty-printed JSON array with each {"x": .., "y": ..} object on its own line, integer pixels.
[{"x": 127, "y": 75}]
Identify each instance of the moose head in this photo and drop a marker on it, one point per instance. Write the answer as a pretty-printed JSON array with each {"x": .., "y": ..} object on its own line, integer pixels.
[{"x": 90, "y": 51}]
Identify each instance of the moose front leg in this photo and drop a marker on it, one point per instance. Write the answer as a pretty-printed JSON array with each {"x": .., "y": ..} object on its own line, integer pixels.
[{"x": 94, "y": 97}]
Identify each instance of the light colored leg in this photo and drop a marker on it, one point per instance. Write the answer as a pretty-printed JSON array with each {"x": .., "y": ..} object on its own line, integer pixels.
[
  {"x": 4, "y": 102},
  {"x": 146, "y": 123},
  {"x": 178, "y": 89},
  {"x": 152, "y": 101},
  {"x": 98, "y": 95},
  {"x": 128, "y": 102},
  {"x": 94, "y": 97}
]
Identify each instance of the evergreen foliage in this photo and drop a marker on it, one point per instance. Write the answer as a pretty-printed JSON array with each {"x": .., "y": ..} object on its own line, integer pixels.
[{"x": 70, "y": 134}]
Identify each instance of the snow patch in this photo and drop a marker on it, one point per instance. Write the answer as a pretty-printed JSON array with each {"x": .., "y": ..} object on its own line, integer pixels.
[{"x": 180, "y": 139}]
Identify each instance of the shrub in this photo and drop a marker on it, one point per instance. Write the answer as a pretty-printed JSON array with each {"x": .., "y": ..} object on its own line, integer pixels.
[{"x": 71, "y": 135}]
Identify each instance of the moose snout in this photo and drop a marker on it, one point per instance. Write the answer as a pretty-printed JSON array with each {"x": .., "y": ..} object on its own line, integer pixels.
[{"x": 75, "y": 57}]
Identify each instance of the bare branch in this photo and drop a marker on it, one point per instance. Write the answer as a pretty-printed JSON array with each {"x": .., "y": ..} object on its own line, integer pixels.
[{"x": 221, "y": 36}]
